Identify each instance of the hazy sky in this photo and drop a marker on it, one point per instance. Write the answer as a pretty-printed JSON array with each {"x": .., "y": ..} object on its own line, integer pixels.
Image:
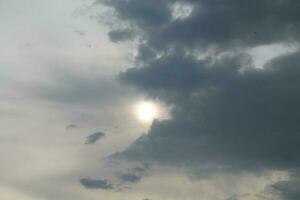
[{"x": 149, "y": 100}]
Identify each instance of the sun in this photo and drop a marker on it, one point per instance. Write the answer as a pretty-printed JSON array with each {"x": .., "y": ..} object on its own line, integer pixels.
[{"x": 147, "y": 111}]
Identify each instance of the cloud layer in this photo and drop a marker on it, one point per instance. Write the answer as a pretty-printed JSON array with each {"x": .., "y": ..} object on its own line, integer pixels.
[{"x": 227, "y": 115}]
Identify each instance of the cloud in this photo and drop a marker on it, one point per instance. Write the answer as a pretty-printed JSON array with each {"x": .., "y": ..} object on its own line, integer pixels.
[
  {"x": 93, "y": 138},
  {"x": 227, "y": 116},
  {"x": 237, "y": 120},
  {"x": 71, "y": 126},
  {"x": 130, "y": 177},
  {"x": 221, "y": 116},
  {"x": 121, "y": 35},
  {"x": 145, "y": 13},
  {"x": 122, "y": 181},
  {"x": 288, "y": 189},
  {"x": 227, "y": 24},
  {"x": 249, "y": 196},
  {"x": 96, "y": 184}
]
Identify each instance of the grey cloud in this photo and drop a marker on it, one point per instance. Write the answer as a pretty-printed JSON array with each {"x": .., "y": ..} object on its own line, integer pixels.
[
  {"x": 144, "y": 13},
  {"x": 122, "y": 181},
  {"x": 236, "y": 120},
  {"x": 71, "y": 126},
  {"x": 221, "y": 116},
  {"x": 249, "y": 196},
  {"x": 224, "y": 118},
  {"x": 93, "y": 138},
  {"x": 288, "y": 189},
  {"x": 130, "y": 177},
  {"x": 225, "y": 24},
  {"x": 179, "y": 73},
  {"x": 96, "y": 184},
  {"x": 121, "y": 35},
  {"x": 233, "y": 23},
  {"x": 134, "y": 175}
]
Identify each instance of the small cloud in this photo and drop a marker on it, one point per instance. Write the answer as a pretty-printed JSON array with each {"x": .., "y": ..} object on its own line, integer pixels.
[
  {"x": 130, "y": 177},
  {"x": 134, "y": 175},
  {"x": 71, "y": 126},
  {"x": 96, "y": 184},
  {"x": 93, "y": 138}
]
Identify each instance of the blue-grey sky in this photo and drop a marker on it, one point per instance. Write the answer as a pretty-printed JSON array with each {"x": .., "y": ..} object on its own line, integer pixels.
[{"x": 149, "y": 100}]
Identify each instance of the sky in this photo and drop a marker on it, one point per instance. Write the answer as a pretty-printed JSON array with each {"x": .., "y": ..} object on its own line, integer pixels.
[{"x": 149, "y": 100}]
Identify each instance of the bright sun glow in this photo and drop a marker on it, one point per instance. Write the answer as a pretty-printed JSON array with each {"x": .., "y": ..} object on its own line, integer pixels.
[{"x": 147, "y": 111}]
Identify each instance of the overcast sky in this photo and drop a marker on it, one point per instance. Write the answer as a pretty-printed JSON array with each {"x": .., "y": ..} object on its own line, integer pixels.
[{"x": 149, "y": 100}]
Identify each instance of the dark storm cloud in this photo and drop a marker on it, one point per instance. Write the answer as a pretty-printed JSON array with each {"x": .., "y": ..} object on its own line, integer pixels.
[
  {"x": 232, "y": 23},
  {"x": 226, "y": 116},
  {"x": 238, "y": 120},
  {"x": 213, "y": 23},
  {"x": 96, "y": 184},
  {"x": 93, "y": 138},
  {"x": 220, "y": 114},
  {"x": 180, "y": 74},
  {"x": 121, "y": 35}
]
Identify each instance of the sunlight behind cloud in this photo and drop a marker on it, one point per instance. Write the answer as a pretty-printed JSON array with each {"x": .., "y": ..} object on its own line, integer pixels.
[{"x": 147, "y": 111}]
